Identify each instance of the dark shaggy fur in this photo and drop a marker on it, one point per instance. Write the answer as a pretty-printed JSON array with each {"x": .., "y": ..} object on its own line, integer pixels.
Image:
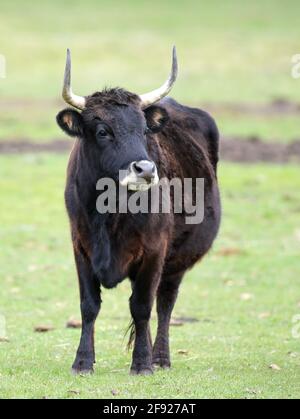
[{"x": 153, "y": 250}]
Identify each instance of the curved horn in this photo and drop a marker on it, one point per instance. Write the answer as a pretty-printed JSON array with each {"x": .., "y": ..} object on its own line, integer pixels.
[
  {"x": 67, "y": 94},
  {"x": 150, "y": 98}
]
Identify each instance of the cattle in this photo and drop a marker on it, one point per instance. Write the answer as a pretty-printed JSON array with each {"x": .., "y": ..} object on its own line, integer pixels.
[{"x": 148, "y": 137}]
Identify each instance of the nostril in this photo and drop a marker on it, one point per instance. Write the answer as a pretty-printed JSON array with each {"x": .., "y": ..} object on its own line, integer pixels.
[{"x": 137, "y": 168}]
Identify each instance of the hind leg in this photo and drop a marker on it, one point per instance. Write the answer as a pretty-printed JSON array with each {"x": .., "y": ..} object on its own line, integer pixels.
[{"x": 166, "y": 298}]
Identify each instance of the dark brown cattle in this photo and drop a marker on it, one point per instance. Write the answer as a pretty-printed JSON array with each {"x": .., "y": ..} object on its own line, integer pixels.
[{"x": 118, "y": 130}]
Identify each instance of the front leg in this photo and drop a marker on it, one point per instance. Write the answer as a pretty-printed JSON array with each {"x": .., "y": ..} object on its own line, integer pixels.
[
  {"x": 141, "y": 302},
  {"x": 90, "y": 303}
]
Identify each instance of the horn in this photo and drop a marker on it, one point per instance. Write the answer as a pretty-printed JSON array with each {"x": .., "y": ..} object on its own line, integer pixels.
[
  {"x": 78, "y": 102},
  {"x": 150, "y": 98}
]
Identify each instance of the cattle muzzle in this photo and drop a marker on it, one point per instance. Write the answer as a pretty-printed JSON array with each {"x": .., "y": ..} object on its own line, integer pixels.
[{"x": 140, "y": 176}]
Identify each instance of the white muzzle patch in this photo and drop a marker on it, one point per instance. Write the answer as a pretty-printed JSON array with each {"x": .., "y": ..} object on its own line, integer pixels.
[{"x": 139, "y": 180}]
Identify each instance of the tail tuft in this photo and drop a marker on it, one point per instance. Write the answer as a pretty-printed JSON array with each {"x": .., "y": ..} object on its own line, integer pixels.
[{"x": 131, "y": 331}]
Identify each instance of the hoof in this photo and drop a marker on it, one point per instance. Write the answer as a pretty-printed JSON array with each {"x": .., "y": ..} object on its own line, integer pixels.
[
  {"x": 142, "y": 371},
  {"x": 83, "y": 367},
  {"x": 158, "y": 365},
  {"x": 76, "y": 371},
  {"x": 161, "y": 362}
]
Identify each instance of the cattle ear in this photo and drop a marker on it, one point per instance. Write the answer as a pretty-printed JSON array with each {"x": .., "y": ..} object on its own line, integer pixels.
[
  {"x": 71, "y": 122},
  {"x": 156, "y": 118}
]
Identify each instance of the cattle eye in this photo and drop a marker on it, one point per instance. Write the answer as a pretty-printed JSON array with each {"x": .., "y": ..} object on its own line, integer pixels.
[
  {"x": 101, "y": 132},
  {"x": 147, "y": 130}
]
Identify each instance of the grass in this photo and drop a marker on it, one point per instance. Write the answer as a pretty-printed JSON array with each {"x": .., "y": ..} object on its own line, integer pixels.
[
  {"x": 244, "y": 294},
  {"x": 269, "y": 129},
  {"x": 228, "y": 52}
]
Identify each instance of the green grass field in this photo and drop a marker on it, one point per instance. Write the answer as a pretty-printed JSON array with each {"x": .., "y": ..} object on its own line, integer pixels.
[
  {"x": 244, "y": 295},
  {"x": 228, "y": 52}
]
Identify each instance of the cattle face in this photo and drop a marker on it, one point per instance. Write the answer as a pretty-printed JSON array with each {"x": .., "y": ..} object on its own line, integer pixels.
[{"x": 113, "y": 128}]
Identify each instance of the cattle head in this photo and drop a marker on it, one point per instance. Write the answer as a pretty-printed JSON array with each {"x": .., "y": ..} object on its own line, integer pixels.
[{"x": 113, "y": 128}]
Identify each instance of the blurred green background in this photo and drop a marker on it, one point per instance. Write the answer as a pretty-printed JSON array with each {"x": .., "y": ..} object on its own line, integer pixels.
[
  {"x": 235, "y": 61},
  {"x": 228, "y": 52}
]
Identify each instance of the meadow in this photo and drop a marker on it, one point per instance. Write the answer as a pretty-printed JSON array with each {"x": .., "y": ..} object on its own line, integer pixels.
[
  {"x": 243, "y": 296},
  {"x": 235, "y": 336}
]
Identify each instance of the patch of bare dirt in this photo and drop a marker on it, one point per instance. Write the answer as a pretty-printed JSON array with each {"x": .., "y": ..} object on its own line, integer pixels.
[
  {"x": 26, "y": 146},
  {"x": 230, "y": 251},
  {"x": 253, "y": 150},
  {"x": 43, "y": 328},
  {"x": 241, "y": 150},
  {"x": 74, "y": 324}
]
